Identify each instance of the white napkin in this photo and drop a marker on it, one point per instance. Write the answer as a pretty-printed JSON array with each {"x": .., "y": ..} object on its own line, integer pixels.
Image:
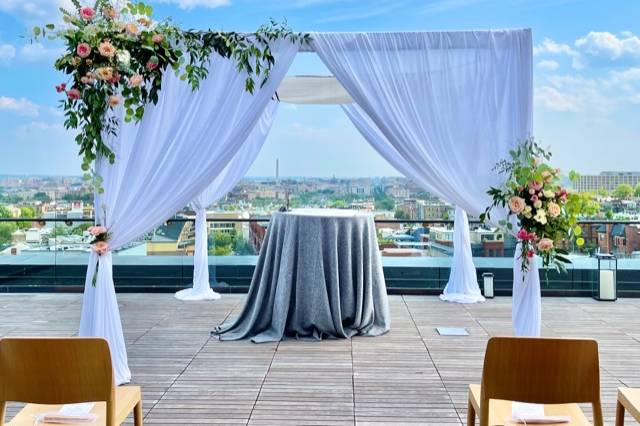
[
  {"x": 71, "y": 414},
  {"x": 525, "y": 413}
]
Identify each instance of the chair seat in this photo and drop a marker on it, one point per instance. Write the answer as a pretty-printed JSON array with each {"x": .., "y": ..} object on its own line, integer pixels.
[
  {"x": 126, "y": 398},
  {"x": 630, "y": 399},
  {"x": 499, "y": 410}
]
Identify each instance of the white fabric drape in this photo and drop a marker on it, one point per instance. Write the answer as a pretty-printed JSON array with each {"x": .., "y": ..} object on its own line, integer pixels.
[
  {"x": 225, "y": 182},
  {"x": 462, "y": 286},
  {"x": 526, "y": 311},
  {"x": 183, "y": 143},
  {"x": 450, "y": 103}
]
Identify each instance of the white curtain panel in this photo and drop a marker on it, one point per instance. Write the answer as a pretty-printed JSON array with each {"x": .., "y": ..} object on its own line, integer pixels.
[
  {"x": 462, "y": 286},
  {"x": 225, "y": 182},
  {"x": 450, "y": 103},
  {"x": 183, "y": 143}
]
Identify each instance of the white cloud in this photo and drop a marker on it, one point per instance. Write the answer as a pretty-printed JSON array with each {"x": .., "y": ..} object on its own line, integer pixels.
[
  {"x": 548, "y": 65},
  {"x": 602, "y": 95},
  {"x": 20, "y": 106},
  {"x": 552, "y": 99},
  {"x": 32, "y": 12},
  {"x": 7, "y": 52},
  {"x": 604, "y": 48},
  {"x": 54, "y": 130},
  {"x": 191, "y": 4},
  {"x": 34, "y": 52},
  {"x": 551, "y": 47}
]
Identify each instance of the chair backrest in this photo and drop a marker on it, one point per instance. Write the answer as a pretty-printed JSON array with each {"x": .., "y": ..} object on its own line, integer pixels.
[
  {"x": 55, "y": 370},
  {"x": 541, "y": 370}
]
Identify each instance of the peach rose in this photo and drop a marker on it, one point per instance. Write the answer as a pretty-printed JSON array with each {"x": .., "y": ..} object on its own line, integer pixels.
[
  {"x": 516, "y": 204},
  {"x": 104, "y": 73},
  {"x": 97, "y": 230},
  {"x": 100, "y": 247},
  {"x": 135, "y": 80},
  {"x": 114, "y": 100},
  {"x": 110, "y": 12},
  {"x": 106, "y": 49},
  {"x": 83, "y": 50},
  {"x": 553, "y": 209},
  {"x": 157, "y": 38},
  {"x": 545, "y": 244},
  {"x": 131, "y": 29}
]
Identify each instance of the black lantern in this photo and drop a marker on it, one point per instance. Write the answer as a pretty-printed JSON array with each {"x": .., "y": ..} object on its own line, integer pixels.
[{"x": 605, "y": 285}]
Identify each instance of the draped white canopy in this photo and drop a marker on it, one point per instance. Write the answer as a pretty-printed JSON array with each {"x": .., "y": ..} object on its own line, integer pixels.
[{"x": 442, "y": 107}]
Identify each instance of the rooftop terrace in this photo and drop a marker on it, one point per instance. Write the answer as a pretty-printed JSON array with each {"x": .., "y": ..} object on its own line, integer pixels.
[{"x": 409, "y": 376}]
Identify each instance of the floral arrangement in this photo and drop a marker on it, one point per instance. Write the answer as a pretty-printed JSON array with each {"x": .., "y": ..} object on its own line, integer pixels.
[
  {"x": 101, "y": 237},
  {"x": 545, "y": 212},
  {"x": 117, "y": 57}
]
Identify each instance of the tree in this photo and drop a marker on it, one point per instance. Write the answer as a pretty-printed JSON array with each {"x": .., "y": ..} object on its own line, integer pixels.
[
  {"x": 623, "y": 191},
  {"x": 41, "y": 196},
  {"x": 603, "y": 193},
  {"x": 636, "y": 191},
  {"x": 5, "y": 212},
  {"x": 401, "y": 214},
  {"x": 26, "y": 212},
  {"x": 6, "y": 229}
]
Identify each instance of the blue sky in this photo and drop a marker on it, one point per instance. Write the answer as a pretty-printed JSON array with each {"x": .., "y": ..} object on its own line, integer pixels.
[{"x": 587, "y": 78}]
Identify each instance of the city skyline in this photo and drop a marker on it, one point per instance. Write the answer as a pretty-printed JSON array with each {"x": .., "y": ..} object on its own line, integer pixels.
[{"x": 586, "y": 79}]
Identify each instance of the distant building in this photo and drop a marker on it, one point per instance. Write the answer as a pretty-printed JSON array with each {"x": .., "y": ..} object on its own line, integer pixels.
[
  {"x": 438, "y": 210},
  {"x": 606, "y": 180},
  {"x": 619, "y": 238}
]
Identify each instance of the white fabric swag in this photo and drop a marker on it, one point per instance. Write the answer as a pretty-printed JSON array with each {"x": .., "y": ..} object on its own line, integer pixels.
[
  {"x": 183, "y": 143},
  {"x": 462, "y": 286},
  {"x": 449, "y": 104},
  {"x": 225, "y": 182}
]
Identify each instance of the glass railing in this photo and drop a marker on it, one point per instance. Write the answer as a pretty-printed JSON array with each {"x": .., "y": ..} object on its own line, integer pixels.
[{"x": 49, "y": 254}]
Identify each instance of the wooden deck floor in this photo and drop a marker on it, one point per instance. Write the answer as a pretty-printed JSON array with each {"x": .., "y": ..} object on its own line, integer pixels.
[{"x": 409, "y": 376}]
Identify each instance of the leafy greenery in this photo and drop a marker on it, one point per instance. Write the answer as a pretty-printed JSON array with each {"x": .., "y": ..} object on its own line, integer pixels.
[
  {"x": 623, "y": 191},
  {"x": 115, "y": 57}
]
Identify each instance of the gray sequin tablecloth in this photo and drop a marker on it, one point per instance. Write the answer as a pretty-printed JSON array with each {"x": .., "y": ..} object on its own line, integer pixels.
[{"x": 319, "y": 274}]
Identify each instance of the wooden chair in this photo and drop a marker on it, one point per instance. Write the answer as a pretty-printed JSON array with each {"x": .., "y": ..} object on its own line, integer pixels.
[
  {"x": 561, "y": 372},
  {"x": 629, "y": 400},
  {"x": 47, "y": 372}
]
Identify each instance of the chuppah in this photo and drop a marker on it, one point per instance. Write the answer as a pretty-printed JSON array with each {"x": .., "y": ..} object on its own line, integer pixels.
[{"x": 175, "y": 109}]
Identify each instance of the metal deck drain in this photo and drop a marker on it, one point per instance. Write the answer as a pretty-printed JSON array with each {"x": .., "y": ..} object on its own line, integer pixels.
[{"x": 452, "y": 331}]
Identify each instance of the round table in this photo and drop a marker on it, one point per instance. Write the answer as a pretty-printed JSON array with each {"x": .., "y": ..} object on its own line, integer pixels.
[{"x": 319, "y": 274}]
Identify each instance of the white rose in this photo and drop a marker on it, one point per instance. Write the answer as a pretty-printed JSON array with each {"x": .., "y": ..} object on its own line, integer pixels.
[
  {"x": 537, "y": 204},
  {"x": 549, "y": 194},
  {"x": 123, "y": 57}
]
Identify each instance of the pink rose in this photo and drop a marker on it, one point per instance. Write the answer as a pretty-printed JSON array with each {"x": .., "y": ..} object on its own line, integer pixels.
[
  {"x": 114, "y": 100},
  {"x": 516, "y": 204},
  {"x": 97, "y": 230},
  {"x": 152, "y": 65},
  {"x": 135, "y": 80},
  {"x": 87, "y": 13},
  {"x": 534, "y": 198},
  {"x": 535, "y": 185},
  {"x": 157, "y": 38},
  {"x": 545, "y": 244},
  {"x": 532, "y": 236},
  {"x": 531, "y": 253},
  {"x": 61, "y": 87},
  {"x": 100, "y": 247},
  {"x": 523, "y": 235},
  {"x": 74, "y": 94},
  {"x": 83, "y": 50}
]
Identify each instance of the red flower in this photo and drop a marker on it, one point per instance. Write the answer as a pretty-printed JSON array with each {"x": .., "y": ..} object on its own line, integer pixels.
[
  {"x": 61, "y": 87},
  {"x": 531, "y": 253},
  {"x": 523, "y": 235},
  {"x": 74, "y": 94},
  {"x": 152, "y": 65}
]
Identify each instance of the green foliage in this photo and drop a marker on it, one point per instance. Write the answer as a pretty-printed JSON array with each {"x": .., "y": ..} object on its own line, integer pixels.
[
  {"x": 382, "y": 200},
  {"x": 636, "y": 191},
  {"x": 623, "y": 191},
  {"x": 130, "y": 71},
  {"x": 26, "y": 212},
  {"x": 6, "y": 229},
  {"x": 229, "y": 243},
  {"x": 401, "y": 214},
  {"x": 41, "y": 196},
  {"x": 5, "y": 212}
]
